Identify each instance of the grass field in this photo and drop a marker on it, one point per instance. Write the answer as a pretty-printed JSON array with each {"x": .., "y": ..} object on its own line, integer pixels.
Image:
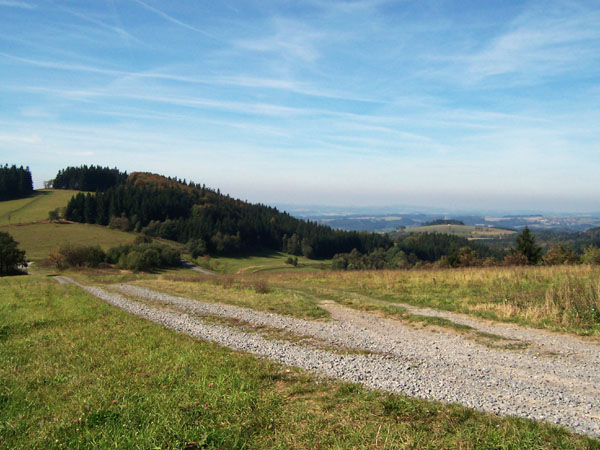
[
  {"x": 465, "y": 231},
  {"x": 39, "y": 240},
  {"x": 266, "y": 262},
  {"x": 559, "y": 298},
  {"x": 77, "y": 373},
  {"x": 562, "y": 298},
  {"x": 34, "y": 208}
]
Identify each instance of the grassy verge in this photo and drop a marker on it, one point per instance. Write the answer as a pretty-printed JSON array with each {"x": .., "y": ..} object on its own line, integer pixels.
[
  {"x": 77, "y": 373},
  {"x": 248, "y": 291},
  {"x": 563, "y": 298}
]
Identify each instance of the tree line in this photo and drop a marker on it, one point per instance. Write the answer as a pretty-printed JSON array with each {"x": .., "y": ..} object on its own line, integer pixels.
[
  {"x": 212, "y": 222},
  {"x": 445, "y": 250},
  {"x": 88, "y": 178},
  {"x": 15, "y": 182}
]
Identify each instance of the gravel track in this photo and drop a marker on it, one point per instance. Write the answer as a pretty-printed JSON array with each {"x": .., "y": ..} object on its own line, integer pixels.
[
  {"x": 562, "y": 388},
  {"x": 563, "y": 344}
]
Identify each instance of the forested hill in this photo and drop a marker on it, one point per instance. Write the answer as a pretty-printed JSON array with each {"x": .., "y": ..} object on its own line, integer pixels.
[{"x": 209, "y": 221}]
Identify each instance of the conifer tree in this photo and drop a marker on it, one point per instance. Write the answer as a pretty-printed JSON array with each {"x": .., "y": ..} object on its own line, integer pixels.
[{"x": 526, "y": 245}]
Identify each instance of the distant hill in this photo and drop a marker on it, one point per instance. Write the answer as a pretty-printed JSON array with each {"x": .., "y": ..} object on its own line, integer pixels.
[
  {"x": 466, "y": 231},
  {"x": 444, "y": 222},
  {"x": 392, "y": 222},
  {"x": 212, "y": 222}
]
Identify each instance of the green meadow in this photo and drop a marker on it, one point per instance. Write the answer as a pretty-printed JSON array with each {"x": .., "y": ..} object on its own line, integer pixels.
[
  {"x": 34, "y": 208},
  {"x": 78, "y": 373},
  {"x": 41, "y": 239}
]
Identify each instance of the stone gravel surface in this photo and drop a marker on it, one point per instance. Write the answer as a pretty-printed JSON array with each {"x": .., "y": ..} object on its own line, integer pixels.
[{"x": 561, "y": 386}]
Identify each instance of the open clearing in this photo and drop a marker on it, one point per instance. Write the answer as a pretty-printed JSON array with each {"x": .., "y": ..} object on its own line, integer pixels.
[
  {"x": 267, "y": 262},
  {"x": 34, "y": 208},
  {"x": 40, "y": 239}
]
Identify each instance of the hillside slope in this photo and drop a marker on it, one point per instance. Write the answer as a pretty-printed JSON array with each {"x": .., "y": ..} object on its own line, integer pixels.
[
  {"x": 215, "y": 223},
  {"x": 34, "y": 208}
]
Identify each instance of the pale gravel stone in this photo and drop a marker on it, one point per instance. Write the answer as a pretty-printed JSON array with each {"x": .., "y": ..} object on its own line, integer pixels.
[{"x": 562, "y": 388}]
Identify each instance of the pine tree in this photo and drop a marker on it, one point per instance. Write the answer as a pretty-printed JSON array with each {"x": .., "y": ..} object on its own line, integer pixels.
[{"x": 526, "y": 245}]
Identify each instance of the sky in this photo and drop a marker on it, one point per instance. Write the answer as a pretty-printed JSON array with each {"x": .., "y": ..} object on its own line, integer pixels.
[{"x": 463, "y": 105}]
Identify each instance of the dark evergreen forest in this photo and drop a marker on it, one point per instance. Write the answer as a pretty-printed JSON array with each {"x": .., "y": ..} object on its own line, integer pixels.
[
  {"x": 91, "y": 179},
  {"x": 215, "y": 223},
  {"x": 15, "y": 182}
]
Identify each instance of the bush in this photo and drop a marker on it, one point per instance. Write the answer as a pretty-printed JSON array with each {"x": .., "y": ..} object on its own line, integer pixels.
[
  {"x": 560, "y": 254},
  {"x": 120, "y": 223},
  {"x": 591, "y": 255},
  {"x": 515, "y": 259},
  {"x": 144, "y": 257},
  {"x": 11, "y": 257},
  {"x": 78, "y": 256},
  {"x": 196, "y": 247},
  {"x": 56, "y": 214}
]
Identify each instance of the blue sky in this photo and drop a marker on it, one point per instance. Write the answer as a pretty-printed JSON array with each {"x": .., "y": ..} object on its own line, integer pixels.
[{"x": 450, "y": 104}]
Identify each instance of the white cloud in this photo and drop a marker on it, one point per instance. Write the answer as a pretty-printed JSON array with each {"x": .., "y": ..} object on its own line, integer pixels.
[
  {"x": 17, "y": 4},
  {"x": 541, "y": 43}
]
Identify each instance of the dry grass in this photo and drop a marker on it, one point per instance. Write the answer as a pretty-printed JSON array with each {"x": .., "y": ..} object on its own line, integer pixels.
[{"x": 565, "y": 298}]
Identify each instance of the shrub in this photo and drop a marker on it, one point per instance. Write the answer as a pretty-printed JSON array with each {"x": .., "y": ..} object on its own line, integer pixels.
[
  {"x": 144, "y": 256},
  {"x": 11, "y": 257},
  {"x": 515, "y": 259},
  {"x": 196, "y": 247},
  {"x": 120, "y": 223},
  {"x": 560, "y": 254},
  {"x": 56, "y": 214},
  {"x": 591, "y": 255},
  {"x": 78, "y": 256}
]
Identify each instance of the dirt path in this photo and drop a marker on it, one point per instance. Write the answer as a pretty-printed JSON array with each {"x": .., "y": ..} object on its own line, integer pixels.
[
  {"x": 187, "y": 265},
  {"x": 562, "y": 386}
]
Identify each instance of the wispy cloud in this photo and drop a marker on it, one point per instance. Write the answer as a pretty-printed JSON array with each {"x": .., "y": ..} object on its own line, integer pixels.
[
  {"x": 542, "y": 42},
  {"x": 124, "y": 34},
  {"x": 26, "y": 138},
  {"x": 289, "y": 39},
  {"x": 17, "y": 4},
  {"x": 377, "y": 97},
  {"x": 172, "y": 19},
  {"x": 237, "y": 80}
]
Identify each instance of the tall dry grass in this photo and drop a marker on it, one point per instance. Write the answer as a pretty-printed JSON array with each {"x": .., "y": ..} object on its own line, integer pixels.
[{"x": 559, "y": 297}]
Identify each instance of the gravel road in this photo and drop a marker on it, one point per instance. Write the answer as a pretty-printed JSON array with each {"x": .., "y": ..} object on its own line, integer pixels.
[{"x": 556, "y": 378}]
